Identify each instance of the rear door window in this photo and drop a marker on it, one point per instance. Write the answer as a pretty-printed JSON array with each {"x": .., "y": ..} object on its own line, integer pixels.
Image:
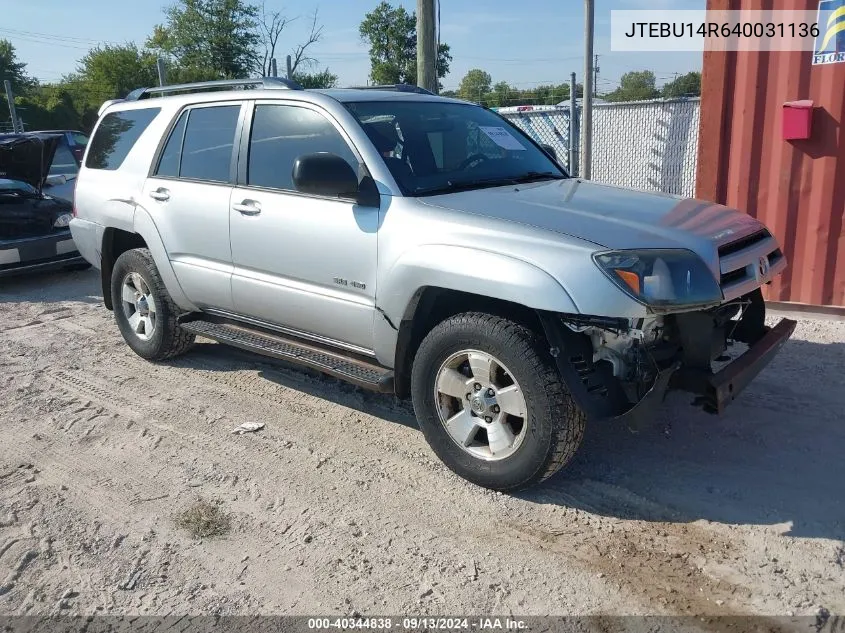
[
  {"x": 208, "y": 144},
  {"x": 116, "y": 135}
]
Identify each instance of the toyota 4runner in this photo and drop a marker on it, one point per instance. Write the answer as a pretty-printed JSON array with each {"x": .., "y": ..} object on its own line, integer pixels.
[{"x": 421, "y": 246}]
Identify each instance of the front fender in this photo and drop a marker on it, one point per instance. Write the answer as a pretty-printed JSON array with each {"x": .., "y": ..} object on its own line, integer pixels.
[
  {"x": 145, "y": 226},
  {"x": 469, "y": 270}
]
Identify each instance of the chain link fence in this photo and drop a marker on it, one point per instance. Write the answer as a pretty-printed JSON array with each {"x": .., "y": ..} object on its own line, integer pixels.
[{"x": 648, "y": 145}]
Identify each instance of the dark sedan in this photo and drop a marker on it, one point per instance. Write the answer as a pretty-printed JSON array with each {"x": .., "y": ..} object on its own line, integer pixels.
[{"x": 34, "y": 232}]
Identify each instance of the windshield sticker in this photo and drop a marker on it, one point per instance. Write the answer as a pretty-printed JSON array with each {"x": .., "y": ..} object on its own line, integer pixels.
[{"x": 501, "y": 137}]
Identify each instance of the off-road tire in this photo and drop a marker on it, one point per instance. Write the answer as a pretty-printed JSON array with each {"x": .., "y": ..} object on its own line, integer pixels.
[
  {"x": 555, "y": 423},
  {"x": 168, "y": 340}
]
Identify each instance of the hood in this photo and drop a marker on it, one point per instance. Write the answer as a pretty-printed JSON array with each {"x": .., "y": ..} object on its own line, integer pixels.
[
  {"x": 27, "y": 157},
  {"x": 608, "y": 216}
]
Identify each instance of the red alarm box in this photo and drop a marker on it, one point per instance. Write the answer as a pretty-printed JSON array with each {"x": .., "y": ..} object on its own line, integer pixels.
[{"x": 797, "y": 120}]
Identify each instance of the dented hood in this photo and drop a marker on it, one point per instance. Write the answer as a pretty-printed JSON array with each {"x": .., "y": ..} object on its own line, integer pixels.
[{"x": 27, "y": 157}]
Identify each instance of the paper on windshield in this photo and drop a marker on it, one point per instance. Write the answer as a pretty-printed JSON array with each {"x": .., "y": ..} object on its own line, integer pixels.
[{"x": 501, "y": 137}]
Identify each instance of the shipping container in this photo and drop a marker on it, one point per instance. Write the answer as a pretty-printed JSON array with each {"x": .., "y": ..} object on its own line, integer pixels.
[{"x": 795, "y": 186}]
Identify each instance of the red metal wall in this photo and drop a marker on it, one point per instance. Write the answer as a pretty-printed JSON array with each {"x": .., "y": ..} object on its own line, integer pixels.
[{"x": 796, "y": 188}]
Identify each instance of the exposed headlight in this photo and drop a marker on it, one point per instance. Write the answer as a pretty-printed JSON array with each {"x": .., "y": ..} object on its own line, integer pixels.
[
  {"x": 661, "y": 278},
  {"x": 62, "y": 221}
]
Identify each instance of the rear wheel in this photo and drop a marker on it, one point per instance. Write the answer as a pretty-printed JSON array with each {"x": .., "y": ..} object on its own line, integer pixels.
[
  {"x": 143, "y": 309},
  {"x": 491, "y": 403}
]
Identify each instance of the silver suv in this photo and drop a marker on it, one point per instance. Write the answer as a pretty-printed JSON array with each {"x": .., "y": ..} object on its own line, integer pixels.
[{"x": 421, "y": 246}]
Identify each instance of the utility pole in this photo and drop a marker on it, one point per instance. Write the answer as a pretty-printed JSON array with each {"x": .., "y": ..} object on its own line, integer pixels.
[
  {"x": 274, "y": 72},
  {"x": 288, "y": 72},
  {"x": 162, "y": 72},
  {"x": 596, "y": 80},
  {"x": 426, "y": 45},
  {"x": 587, "y": 127},
  {"x": 573, "y": 119},
  {"x": 10, "y": 97}
]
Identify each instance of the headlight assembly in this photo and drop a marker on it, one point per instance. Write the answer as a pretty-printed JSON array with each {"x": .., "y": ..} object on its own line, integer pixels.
[
  {"x": 62, "y": 221},
  {"x": 661, "y": 278}
]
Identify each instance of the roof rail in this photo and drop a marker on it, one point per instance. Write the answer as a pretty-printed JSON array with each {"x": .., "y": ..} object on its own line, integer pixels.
[
  {"x": 266, "y": 83},
  {"x": 396, "y": 88}
]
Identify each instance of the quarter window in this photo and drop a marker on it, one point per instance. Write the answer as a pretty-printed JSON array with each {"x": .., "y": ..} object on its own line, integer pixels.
[
  {"x": 116, "y": 136},
  {"x": 282, "y": 133},
  {"x": 209, "y": 139}
]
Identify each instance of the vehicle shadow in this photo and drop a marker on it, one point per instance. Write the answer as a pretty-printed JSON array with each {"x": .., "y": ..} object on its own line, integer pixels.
[
  {"x": 777, "y": 457},
  {"x": 216, "y": 357},
  {"x": 65, "y": 285}
]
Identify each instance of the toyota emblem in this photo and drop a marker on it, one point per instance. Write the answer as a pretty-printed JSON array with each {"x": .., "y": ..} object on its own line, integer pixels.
[{"x": 763, "y": 267}]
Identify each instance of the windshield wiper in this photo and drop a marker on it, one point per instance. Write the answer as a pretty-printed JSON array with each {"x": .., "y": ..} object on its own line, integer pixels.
[
  {"x": 452, "y": 187},
  {"x": 534, "y": 176}
]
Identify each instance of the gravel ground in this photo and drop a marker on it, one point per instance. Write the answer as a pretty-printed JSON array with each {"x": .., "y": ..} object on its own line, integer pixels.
[{"x": 338, "y": 506}]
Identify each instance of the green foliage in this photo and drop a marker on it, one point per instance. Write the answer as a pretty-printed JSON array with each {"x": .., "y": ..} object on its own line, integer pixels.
[
  {"x": 688, "y": 85},
  {"x": 12, "y": 69},
  {"x": 217, "y": 37},
  {"x": 635, "y": 86},
  {"x": 392, "y": 35},
  {"x": 322, "y": 79},
  {"x": 475, "y": 84}
]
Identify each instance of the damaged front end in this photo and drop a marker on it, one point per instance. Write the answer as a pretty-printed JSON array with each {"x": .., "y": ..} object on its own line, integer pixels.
[{"x": 623, "y": 369}]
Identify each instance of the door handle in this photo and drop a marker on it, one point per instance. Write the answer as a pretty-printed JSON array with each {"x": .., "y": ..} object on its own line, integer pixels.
[
  {"x": 161, "y": 194},
  {"x": 247, "y": 207}
]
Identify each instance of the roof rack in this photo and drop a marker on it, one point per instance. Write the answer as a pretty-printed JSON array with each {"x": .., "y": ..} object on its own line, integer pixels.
[
  {"x": 266, "y": 83},
  {"x": 396, "y": 88}
]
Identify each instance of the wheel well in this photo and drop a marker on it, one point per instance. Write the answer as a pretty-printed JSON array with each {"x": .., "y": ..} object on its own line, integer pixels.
[
  {"x": 432, "y": 305},
  {"x": 115, "y": 243}
]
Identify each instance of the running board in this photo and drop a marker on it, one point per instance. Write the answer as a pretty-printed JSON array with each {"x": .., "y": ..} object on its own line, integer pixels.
[{"x": 352, "y": 370}]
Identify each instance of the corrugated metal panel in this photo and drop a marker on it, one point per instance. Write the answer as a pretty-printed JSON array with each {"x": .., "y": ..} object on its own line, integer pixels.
[{"x": 797, "y": 188}]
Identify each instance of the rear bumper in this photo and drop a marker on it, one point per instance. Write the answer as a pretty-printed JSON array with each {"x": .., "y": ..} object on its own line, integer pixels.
[
  {"x": 717, "y": 390},
  {"x": 88, "y": 237},
  {"x": 47, "y": 252}
]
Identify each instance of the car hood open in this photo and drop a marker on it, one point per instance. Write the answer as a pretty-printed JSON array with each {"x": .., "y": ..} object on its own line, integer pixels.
[{"x": 27, "y": 157}]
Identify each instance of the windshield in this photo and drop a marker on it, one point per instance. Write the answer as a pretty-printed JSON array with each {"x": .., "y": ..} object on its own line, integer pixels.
[{"x": 435, "y": 147}]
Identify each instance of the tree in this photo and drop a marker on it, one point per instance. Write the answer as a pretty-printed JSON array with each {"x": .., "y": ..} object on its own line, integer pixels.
[
  {"x": 688, "y": 85},
  {"x": 210, "y": 37},
  {"x": 392, "y": 36},
  {"x": 12, "y": 69},
  {"x": 635, "y": 86},
  {"x": 300, "y": 52},
  {"x": 271, "y": 25},
  {"x": 322, "y": 79},
  {"x": 474, "y": 85},
  {"x": 109, "y": 72}
]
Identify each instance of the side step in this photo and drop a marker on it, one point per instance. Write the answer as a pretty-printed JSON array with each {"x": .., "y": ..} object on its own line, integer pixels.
[{"x": 358, "y": 372}]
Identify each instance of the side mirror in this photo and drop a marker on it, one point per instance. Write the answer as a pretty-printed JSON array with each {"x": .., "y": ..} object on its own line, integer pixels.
[
  {"x": 549, "y": 150},
  {"x": 325, "y": 174},
  {"x": 55, "y": 180}
]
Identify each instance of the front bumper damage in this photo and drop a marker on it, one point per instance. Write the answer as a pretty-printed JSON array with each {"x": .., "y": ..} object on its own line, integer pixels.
[
  {"x": 696, "y": 340},
  {"x": 717, "y": 390}
]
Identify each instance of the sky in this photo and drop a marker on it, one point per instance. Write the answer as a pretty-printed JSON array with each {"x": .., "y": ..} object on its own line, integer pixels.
[{"x": 523, "y": 42}]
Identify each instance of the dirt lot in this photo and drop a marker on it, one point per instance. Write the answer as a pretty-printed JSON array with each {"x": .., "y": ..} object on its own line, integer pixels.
[{"x": 338, "y": 506}]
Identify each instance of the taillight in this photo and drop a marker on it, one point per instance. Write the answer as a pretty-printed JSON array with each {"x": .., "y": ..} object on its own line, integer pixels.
[{"x": 73, "y": 209}]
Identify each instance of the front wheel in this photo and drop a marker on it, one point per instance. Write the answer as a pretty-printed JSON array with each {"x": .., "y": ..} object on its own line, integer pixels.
[
  {"x": 143, "y": 309},
  {"x": 491, "y": 403}
]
